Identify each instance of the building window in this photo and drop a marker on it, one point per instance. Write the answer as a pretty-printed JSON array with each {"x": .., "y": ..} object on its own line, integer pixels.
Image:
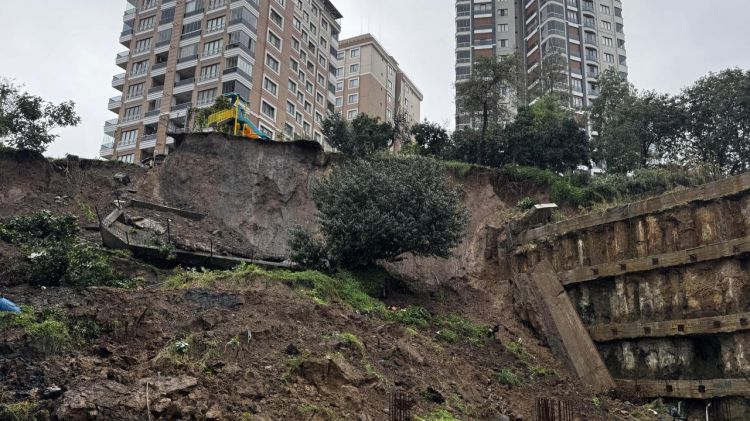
[
  {"x": 503, "y": 27},
  {"x": 353, "y": 98},
  {"x": 209, "y": 72},
  {"x": 135, "y": 90},
  {"x": 128, "y": 138},
  {"x": 272, "y": 63},
  {"x": 354, "y": 68},
  {"x": 292, "y": 86},
  {"x": 274, "y": 40},
  {"x": 609, "y": 58},
  {"x": 291, "y": 108},
  {"x": 607, "y": 25},
  {"x": 128, "y": 159},
  {"x": 132, "y": 113},
  {"x": 213, "y": 48},
  {"x": 608, "y": 41},
  {"x": 206, "y": 97},
  {"x": 277, "y": 19},
  {"x": 270, "y": 86},
  {"x": 354, "y": 83},
  {"x": 214, "y": 25},
  {"x": 352, "y": 114},
  {"x": 354, "y": 53},
  {"x": 604, "y": 9},
  {"x": 339, "y": 101},
  {"x": 268, "y": 110},
  {"x": 339, "y": 86}
]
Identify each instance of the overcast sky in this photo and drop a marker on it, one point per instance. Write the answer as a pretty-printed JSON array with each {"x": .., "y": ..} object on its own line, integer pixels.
[{"x": 66, "y": 50}]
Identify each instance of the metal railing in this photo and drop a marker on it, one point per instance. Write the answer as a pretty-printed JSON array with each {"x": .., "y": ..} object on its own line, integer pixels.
[
  {"x": 183, "y": 106},
  {"x": 184, "y": 82}
]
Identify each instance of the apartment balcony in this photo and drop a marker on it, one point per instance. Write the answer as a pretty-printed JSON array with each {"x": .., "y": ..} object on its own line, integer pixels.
[
  {"x": 588, "y": 7},
  {"x": 591, "y": 41},
  {"x": 131, "y": 118},
  {"x": 234, "y": 49},
  {"x": 210, "y": 54},
  {"x": 235, "y": 73},
  {"x": 122, "y": 59},
  {"x": 190, "y": 35},
  {"x": 592, "y": 57},
  {"x": 484, "y": 42},
  {"x": 252, "y": 3},
  {"x": 245, "y": 22},
  {"x": 589, "y": 24},
  {"x": 149, "y": 5},
  {"x": 129, "y": 14},
  {"x": 592, "y": 75},
  {"x": 159, "y": 69},
  {"x": 148, "y": 141},
  {"x": 110, "y": 126},
  {"x": 182, "y": 86},
  {"x": 114, "y": 104},
  {"x": 126, "y": 36},
  {"x": 216, "y": 4},
  {"x": 187, "y": 62},
  {"x": 593, "y": 92},
  {"x": 118, "y": 81},
  {"x": 152, "y": 113},
  {"x": 155, "y": 93},
  {"x": 107, "y": 150}
]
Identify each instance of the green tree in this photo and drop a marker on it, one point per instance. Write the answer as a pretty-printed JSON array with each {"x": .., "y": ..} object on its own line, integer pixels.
[
  {"x": 362, "y": 137},
  {"x": 383, "y": 207},
  {"x": 26, "y": 120},
  {"x": 634, "y": 129},
  {"x": 544, "y": 135},
  {"x": 431, "y": 138},
  {"x": 485, "y": 95},
  {"x": 552, "y": 75},
  {"x": 718, "y": 114}
]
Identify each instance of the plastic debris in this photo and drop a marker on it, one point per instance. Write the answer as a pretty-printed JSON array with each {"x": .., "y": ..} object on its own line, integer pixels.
[{"x": 8, "y": 306}]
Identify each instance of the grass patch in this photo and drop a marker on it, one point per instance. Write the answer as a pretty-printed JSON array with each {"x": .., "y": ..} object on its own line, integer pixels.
[
  {"x": 19, "y": 411},
  {"x": 532, "y": 365},
  {"x": 47, "y": 332},
  {"x": 310, "y": 411},
  {"x": 343, "y": 287},
  {"x": 438, "y": 415},
  {"x": 352, "y": 341},
  {"x": 448, "y": 336},
  {"x": 508, "y": 377},
  {"x": 189, "y": 352}
]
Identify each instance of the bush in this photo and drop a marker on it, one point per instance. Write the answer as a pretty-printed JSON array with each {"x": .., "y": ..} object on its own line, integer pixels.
[
  {"x": 88, "y": 266},
  {"x": 50, "y": 337},
  {"x": 448, "y": 336},
  {"x": 438, "y": 415},
  {"x": 19, "y": 411},
  {"x": 308, "y": 251},
  {"x": 382, "y": 208},
  {"x": 526, "y": 203},
  {"x": 39, "y": 228}
]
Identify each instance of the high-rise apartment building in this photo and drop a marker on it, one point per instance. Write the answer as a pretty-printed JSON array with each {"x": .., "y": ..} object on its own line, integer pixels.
[
  {"x": 279, "y": 55},
  {"x": 589, "y": 35},
  {"x": 371, "y": 82}
]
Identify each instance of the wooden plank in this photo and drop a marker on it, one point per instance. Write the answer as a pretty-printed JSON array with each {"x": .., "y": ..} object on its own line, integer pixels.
[
  {"x": 679, "y": 258},
  {"x": 564, "y": 326},
  {"x": 685, "y": 389},
  {"x": 702, "y": 326},
  {"x": 711, "y": 191}
]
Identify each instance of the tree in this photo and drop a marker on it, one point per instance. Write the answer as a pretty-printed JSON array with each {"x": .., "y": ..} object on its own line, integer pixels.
[
  {"x": 718, "y": 121},
  {"x": 634, "y": 129},
  {"x": 486, "y": 93},
  {"x": 363, "y": 136},
  {"x": 552, "y": 75},
  {"x": 401, "y": 134},
  {"x": 380, "y": 208},
  {"x": 26, "y": 120},
  {"x": 431, "y": 138},
  {"x": 544, "y": 135}
]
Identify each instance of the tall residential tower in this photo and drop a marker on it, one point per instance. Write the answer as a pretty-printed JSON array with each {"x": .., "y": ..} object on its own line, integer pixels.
[
  {"x": 589, "y": 34},
  {"x": 279, "y": 55}
]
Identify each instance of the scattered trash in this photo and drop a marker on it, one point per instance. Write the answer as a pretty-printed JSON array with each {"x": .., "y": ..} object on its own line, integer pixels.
[
  {"x": 123, "y": 179},
  {"x": 8, "y": 306},
  {"x": 182, "y": 347}
]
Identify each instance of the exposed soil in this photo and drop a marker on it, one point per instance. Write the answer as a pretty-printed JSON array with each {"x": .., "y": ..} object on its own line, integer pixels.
[{"x": 261, "y": 350}]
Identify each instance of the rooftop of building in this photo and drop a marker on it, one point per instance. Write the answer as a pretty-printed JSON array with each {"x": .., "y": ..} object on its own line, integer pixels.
[{"x": 330, "y": 8}]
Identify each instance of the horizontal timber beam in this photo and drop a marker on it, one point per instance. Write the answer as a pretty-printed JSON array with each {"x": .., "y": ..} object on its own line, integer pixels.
[
  {"x": 685, "y": 389},
  {"x": 702, "y": 326},
  {"x": 711, "y": 191},
  {"x": 678, "y": 258}
]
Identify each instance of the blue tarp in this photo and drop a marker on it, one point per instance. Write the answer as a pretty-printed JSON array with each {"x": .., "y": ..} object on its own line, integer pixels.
[{"x": 8, "y": 306}]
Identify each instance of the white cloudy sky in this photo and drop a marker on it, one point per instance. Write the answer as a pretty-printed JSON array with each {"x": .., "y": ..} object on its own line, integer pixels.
[{"x": 65, "y": 50}]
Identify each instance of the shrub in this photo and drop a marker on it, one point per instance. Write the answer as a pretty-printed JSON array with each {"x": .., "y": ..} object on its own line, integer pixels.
[
  {"x": 526, "y": 203},
  {"x": 89, "y": 266},
  {"x": 381, "y": 208},
  {"x": 39, "y": 228},
  {"x": 308, "y": 251},
  {"x": 508, "y": 377},
  {"x": 50, "y": 336},
  {"x": 19, "y": 411}
]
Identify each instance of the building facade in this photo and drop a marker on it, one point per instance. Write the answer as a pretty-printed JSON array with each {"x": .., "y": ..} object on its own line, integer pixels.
[
  {"x": 181, "y": 55},
  {"x": 371, "y": 82},
  {"x": 589, "y": 34}
]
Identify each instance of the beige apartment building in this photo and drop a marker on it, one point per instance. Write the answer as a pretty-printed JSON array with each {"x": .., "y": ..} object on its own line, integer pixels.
[
  {"x": 371, "y": 82},
  {"x": 181, "y": 55},
  {"x": 589, "y": 34}
]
